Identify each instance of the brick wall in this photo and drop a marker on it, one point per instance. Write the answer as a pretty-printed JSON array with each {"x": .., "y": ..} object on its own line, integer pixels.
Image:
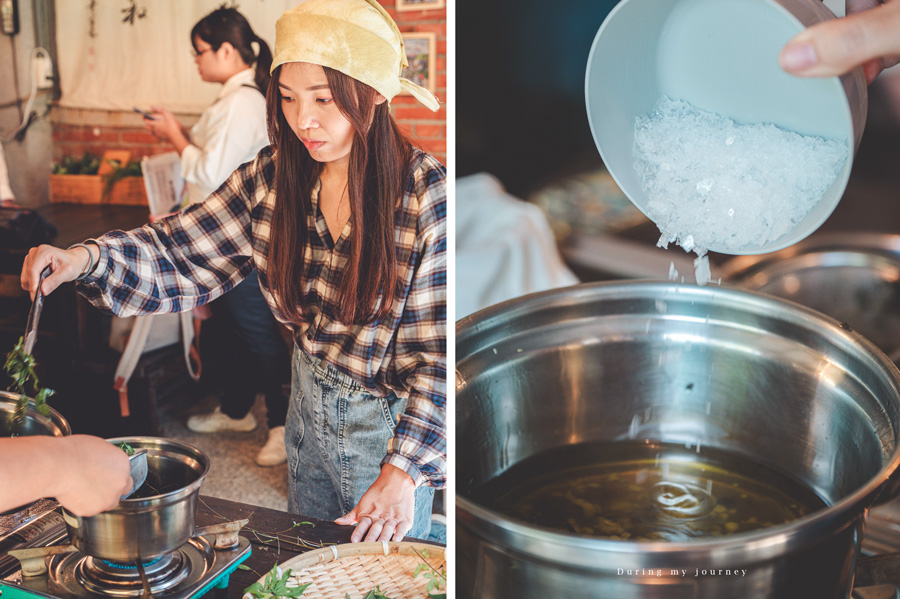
[
  {"x": 428, "y": 129},
  {"x": 105, "y": 131},
  {"x": 76, "y": 131}
]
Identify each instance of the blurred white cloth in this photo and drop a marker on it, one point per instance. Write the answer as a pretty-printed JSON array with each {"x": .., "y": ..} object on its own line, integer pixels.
[
  {"x": 6, "y": 192},
  {"x": 110, "y": 62},
  {"x": 504, "y": 247}
]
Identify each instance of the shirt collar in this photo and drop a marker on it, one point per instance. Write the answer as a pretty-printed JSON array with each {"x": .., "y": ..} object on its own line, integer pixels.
[{"x": 236, "y": 81}]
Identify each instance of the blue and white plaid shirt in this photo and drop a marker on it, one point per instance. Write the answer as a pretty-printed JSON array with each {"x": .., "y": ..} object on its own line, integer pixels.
[{"x": 195, "y": 256}]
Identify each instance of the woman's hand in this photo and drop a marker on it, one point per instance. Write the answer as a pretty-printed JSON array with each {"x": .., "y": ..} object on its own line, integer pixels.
[
  {"x": 165, "y": 126},
  {"x": 386, "y": 511},
  {"x": 92, "y": 475},
  {"x": 66, "y": 265},
  {"x": 869, "y": 36}
]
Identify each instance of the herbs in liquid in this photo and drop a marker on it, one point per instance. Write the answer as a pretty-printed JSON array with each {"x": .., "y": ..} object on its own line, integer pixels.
[{"x": 647, "y": 492}]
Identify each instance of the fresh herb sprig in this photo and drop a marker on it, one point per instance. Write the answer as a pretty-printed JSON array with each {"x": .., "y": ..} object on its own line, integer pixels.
[
  {"x": 128, "y": 449},
  {"x": 437, "y": 580},
  {"x": 132, "y": 169},
  {"x": 373, "y": 594},
  {"x": 19, "y": 367},
  {"x": 275, "y": 586}
]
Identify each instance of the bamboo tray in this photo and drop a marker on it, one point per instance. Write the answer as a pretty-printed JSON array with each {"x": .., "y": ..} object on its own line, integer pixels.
[{"x": 357, "y": 568}]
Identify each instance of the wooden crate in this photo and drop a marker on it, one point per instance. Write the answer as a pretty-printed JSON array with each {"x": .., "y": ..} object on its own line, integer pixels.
[{"x": 88, "y": 189}]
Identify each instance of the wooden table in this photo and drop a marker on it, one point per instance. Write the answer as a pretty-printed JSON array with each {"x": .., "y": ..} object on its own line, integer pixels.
[{"x": 77, "y": 222}]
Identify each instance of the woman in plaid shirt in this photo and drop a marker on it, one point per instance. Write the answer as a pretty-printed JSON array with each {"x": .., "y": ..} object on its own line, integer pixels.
[{"x": 345, "y": 223}]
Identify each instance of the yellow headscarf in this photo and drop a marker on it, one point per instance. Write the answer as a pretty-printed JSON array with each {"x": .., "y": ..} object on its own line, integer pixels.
[{"x": 356, "y": 37}]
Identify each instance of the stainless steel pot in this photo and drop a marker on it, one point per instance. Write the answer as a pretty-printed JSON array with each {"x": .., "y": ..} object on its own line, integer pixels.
[
  {"x": 35, "y": 423},
  {"x": 146, "y": 527},
  {"x": 725, "y": 368},
  {"x": 852, "y": 277}
]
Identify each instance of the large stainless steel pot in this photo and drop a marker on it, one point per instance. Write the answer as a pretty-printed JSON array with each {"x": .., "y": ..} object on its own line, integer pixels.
[
  {"x": 151, "y": 526},
  {"x": 852, "y": 277},
  {"x": 731, "y": 369},
  {"x": 35, "y": 423}
]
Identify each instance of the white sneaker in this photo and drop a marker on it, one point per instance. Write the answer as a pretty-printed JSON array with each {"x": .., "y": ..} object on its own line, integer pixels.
[
  {"x": 273, "y": 452},
  {"x": 217, "y": 421}
]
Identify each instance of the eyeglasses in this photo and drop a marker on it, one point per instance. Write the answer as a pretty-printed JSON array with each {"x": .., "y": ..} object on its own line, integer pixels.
[{"x": 197, "y": 54}]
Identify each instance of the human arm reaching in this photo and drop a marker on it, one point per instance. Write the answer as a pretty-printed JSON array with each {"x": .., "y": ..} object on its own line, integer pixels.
[
  {"x": 85, "y": 474},
  {"x": 184, "y": 260}
]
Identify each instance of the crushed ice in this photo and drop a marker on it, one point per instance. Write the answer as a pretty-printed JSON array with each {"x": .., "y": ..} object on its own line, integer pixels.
[{"x": 714, "y": 182}]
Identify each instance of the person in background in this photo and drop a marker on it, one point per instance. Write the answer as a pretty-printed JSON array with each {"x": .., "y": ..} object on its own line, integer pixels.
[
  {"x": 85, "y": 474},
  {"x": 869, "y": 36},
  {"x": 345, "y": 222},
  {"x": 229, "y": 133}
]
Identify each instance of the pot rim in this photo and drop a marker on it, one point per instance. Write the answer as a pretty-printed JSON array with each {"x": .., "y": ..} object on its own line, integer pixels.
[
  {"x": 55, "y": 417},
  {"x": 131, "y": 505},
  {"x": 766, "y": 542},
  {"x": 737, "y": 269}
]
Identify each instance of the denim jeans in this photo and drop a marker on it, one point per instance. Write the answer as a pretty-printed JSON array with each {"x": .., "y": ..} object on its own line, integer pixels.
[
  {"x": 259, "y": 349},
  {"x": 336, "y": 435}
]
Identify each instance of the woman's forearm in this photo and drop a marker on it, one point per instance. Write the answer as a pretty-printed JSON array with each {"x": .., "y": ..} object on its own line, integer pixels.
[
  {"x": 26, "y": 469},
  {"x": 86, "y": 474}
]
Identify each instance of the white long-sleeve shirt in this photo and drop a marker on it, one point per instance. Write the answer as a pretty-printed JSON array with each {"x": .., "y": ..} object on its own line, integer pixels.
[
  {"x": 6, "y": 192},
  {"x": 229, "y": 133}
]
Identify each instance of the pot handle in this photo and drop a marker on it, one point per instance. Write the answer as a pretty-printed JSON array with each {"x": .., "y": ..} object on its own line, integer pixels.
[{"x": 877, "y": 569}]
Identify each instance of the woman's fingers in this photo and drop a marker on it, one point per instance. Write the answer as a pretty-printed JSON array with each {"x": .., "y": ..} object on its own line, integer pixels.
[
  {"x": 65, "y": 265},
  {"x": 375, "y": 529},
  {"x": 37, "y": 259},
  {"x": 400, "y": 531},
  {"x": 93, "y": 474},
  {"x": 870, "y": 38},
  {"x": 386, "y": 509}
]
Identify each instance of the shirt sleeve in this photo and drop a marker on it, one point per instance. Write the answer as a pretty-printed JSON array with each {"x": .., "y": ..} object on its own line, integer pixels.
[
  {"x": 6, "y": 192},
  {"x": 182, "y": 261},
  {"x": 419, "y": 445},
  {"x": 232, "y": 131}
]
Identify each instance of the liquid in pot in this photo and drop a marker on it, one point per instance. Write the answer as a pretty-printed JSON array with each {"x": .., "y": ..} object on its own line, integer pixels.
[
  {"x": 637, "y": 491},
  {"x": 165, "y": 475}
]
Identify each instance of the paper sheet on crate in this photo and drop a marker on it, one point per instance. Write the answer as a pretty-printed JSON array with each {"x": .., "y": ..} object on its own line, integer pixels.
[{"x": 163, "y": 182}]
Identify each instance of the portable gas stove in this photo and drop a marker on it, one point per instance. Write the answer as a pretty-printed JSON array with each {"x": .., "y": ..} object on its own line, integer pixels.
[
  {"x": 882, "y": 537},
  {"x": 36, "y": 568}
]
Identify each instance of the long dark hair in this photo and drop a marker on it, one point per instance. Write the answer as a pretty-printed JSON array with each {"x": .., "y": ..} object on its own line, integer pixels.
[
  {"x": 228, "y": 25},
  {"x": 379, "y": 166}
]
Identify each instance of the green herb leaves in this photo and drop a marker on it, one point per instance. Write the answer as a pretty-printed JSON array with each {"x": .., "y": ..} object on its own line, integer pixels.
[
  {"x": 128, "y": 449},
  {"x": 373, "y": 594},
  {"x": 19, "y": 367},
  {"x": 437, "y": 580},
  {"x": 275, "y": 586}
]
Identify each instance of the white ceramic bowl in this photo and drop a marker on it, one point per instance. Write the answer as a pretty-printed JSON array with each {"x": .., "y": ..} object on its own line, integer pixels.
[{"x": 720, "y": 56}]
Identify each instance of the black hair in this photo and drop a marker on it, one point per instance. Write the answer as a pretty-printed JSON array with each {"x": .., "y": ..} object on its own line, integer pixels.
[{"x": 228, "y": 25}]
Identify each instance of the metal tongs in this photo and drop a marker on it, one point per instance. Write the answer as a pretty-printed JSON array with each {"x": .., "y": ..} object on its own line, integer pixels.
[{"x": 36, "y": 306}]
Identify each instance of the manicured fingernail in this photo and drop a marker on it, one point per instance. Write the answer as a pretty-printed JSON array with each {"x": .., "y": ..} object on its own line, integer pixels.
[{"x": 798, "y": 56}]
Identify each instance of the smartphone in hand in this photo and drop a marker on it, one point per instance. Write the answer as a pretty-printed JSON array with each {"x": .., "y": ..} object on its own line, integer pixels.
[{"x": 144, "y": 113}]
